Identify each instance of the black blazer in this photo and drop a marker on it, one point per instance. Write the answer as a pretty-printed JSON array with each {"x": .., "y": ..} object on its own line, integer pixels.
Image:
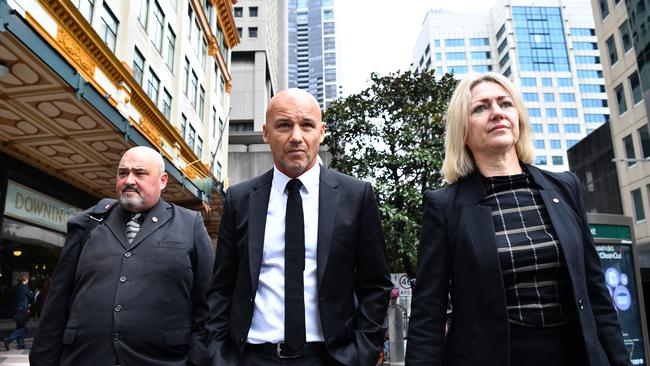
[
  {"x": 458, "y": 255},
  {"x": 353, "y": 277},
  {"x": 144, "y": 302}
]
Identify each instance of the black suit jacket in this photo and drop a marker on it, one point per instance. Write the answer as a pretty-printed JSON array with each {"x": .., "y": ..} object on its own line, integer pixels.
[
  {"x": 458, "y": 254},
  {"x": 351, "y": 264},
  {"x": 144, "y": 302}
]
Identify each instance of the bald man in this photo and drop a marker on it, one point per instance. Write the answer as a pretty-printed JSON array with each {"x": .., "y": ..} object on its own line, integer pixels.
[
  {"x": 131, "y": 284},
  {"x": 300, "y": 274}
]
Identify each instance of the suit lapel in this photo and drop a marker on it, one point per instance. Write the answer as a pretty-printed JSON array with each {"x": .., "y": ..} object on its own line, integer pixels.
[
  {"x": 471, "y": 191},
  {"x": 328, "y": 202},
  {"x": 258, "y": 206},
  {"x": 157, "y": 217},
  {"x": 116, "y": 225}
]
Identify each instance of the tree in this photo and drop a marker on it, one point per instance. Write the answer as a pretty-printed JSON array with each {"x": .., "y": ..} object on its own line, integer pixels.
[{"x": 392, "y": 134}]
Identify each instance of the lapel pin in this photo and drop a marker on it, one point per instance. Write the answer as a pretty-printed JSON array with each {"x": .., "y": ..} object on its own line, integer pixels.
[
  {"x": 154, "y": 219},
  {"x": 556, "y": 200},
  {"x": 108, "y": 205}
]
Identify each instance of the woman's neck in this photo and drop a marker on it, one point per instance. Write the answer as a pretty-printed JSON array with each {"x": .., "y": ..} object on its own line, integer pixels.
[{"x": 498, "y": 165}]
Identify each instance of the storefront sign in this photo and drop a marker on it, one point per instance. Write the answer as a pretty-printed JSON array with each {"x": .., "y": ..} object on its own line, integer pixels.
[
  {"x": 29, "y": 205},
  {"x": 620, "y": 281}
]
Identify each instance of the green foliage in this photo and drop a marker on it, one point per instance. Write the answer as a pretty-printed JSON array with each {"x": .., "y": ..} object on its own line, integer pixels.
[{"x": 392, "y": 135}]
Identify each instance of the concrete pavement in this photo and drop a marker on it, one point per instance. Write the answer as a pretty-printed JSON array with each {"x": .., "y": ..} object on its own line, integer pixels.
[{"x": 15, "y": 357}]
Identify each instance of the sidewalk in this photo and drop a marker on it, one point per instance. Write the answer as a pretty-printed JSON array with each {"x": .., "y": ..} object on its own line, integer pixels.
[{"x": 15, "y": 357}]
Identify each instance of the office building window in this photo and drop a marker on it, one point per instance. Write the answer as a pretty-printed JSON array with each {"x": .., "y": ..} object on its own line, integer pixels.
[
  {"x": 569, "y": 113},
  {"x": 592, "y": 88},
  {"x": 204, "y": 52},
  {"x": 635, "y": 86},
  {"x": 539, "y": 35},
  {"x": 604, "y": 8},
  {"x": 214, "y": 122},
  {"x": 193, "y": 86},
  {"x": 539, "y": 144},
  {"x": 596, "y": 118},
  {"x": 637, "y": 199},
  {"x": 620, "y": 99},
  {"x": 501, "y": 31},
  {"x": 330, "y": 75},
  {"x": 191, "y": 137},
  {"x": 644, "y": 137},
  {"x": 201, "y": 102},
  {"x": 238, "y": 11},
  {"x": 528, "y": 82},
  {"x": 108, "y": 27},
  {"x": 183, "y": 125},
  {"x": 531, "y": 97},
  {"x": 167, "y": 104},
  {"x": 534, "y": 112},
  {"x": 556, "y": 144},
  {"x": 588, "y": 60},
  {"x": 571, "y": 128},
  {"x": 329, "y": 29},
  {"x": 252, "y": 32},
  {"x": 553, "y": 128},
  {"x": 240, "y": 32},
  {"x": 537, "y": 127},
  {"x": 626, "y": 38},
  {"x": 482, "y": 55},
  {"x": 252, "y": 11},
  {"x": 557, "y": 160},
  {"x": 171, "y": 47},
  {"x": 629, "y": 150},
  {"x": 583, "y": 32},
  {"x": 453, "y": 56},
  {"x": 455, "y": 42},
  {"x": 547, "y": 82},
  {"x": 611, "y": 49},
  {"x": 540, "y": 160},
  {"x": 549, "y": 97},
  {"x": 142, "y": 12},
  {"x": 564, "y": 82},
  {"x": 585, "y": 45},
  {"x": 457, "y": 69},
  {"x": 330, "y": 43},
  {"x": 570, "y": 143},
  {"x": 567, "y": 97},
  {"x": 590, "y": 74},
  {"x": 502, "y": 46},
  {"x": 138, "y": 66},
  {"x": 551, "y": 112},
  {"x": 594, "y": 103},
  {"x": 153, "y": 86},
  {"x": 85, "y": 8},
  {"x": 186, "y": 75},
  {"x": 199, "y": 147},
  {"x": 479, "y": 41},
  {"x": 158, "y": 26},
  {"x": 481, "y": 68}
]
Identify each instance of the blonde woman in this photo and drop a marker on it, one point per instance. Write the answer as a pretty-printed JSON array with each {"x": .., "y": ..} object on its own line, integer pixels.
[{"x": 511, "y": 245}]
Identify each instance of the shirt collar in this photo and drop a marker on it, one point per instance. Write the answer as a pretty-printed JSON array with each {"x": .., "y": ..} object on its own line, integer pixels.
[{"x": 309, "y": 179}]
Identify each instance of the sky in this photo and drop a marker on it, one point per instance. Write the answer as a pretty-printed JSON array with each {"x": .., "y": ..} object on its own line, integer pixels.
[{"x": 379, "y": 35}]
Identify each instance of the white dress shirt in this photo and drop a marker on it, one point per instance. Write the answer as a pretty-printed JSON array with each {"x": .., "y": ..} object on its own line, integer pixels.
[{"x": 268, "y": 315}]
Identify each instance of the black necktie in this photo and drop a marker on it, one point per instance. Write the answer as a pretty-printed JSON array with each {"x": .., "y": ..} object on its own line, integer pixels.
[{"x": 294, "y": 266}]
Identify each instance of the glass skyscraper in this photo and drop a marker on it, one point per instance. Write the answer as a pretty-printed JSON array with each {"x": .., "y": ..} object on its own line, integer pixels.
[
  {"x": 549, "y": 50},
  {"x": 312, "y": 48}
]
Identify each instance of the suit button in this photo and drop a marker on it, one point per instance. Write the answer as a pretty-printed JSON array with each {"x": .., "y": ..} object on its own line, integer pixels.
[
  {"x": 556, "y": 200},
  {"x": 127, "y": 254},
  {"x": 118, "y": 308},
  {"x": 580, "y": 304},
  {"x": 122, "y": 279},
  {"x": 116, "y": 337},
  {"x": 252, "y": 300},
  {"x": 241, "y": 340}
]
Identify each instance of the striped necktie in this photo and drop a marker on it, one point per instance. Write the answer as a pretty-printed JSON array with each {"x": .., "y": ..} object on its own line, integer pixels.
[{"x": 132, "y": 227}]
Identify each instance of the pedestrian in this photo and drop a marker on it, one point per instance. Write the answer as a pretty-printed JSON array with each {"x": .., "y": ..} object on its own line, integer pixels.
[
  {"x": 511, "y": 244},
  {"x": 21, "y": 295},
  {"x": 300, "y": 275},
  {"x": 130, "y": 287}
]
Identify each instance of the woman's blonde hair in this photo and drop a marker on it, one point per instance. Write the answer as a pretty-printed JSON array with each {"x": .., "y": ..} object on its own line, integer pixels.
[{"x": 458, "y": 158}]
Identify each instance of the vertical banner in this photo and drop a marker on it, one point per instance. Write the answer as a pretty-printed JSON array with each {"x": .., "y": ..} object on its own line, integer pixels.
[{"x": 620, "y": 281}]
